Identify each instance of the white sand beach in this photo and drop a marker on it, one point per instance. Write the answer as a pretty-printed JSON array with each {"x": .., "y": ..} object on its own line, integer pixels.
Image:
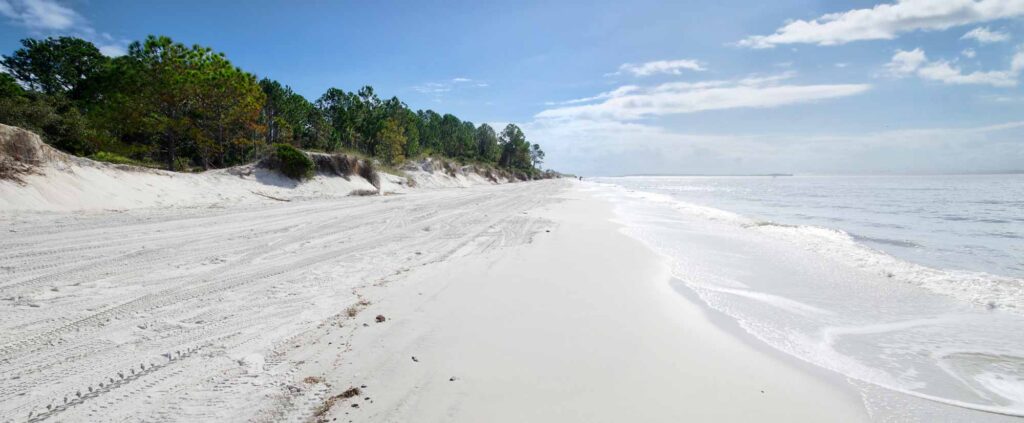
[
  {"x": 519, "y": 302},
  {"x": 579, "y": 325}
]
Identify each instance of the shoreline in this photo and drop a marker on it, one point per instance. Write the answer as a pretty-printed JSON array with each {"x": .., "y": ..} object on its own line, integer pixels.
[
  {"x": 729, "y": 325},
  {"x": 564, "y": 339},
  {"x": 518, "y": 302},
  {"x": 902, "y": 335}
]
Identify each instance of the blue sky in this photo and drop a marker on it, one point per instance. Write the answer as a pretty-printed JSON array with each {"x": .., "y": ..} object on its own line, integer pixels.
[{"x": 913, "y": 86}]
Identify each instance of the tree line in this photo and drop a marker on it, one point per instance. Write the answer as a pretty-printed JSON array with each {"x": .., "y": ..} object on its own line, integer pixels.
[{"x": 187, "y": 107}]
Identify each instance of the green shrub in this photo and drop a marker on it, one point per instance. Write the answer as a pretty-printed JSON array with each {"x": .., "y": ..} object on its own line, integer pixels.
[
  {"x": 293, "y": 163},
  {"x": 118, "y": 158},
  {"x": 106, "y": 156},
  {"x": 182, "y": 164}
]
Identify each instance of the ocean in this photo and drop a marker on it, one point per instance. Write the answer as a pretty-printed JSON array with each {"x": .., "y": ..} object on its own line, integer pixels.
[{"x": 910, "y": 287}]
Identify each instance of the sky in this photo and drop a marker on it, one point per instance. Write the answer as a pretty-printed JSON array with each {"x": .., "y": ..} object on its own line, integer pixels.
[{"x": 638, "y": 87}]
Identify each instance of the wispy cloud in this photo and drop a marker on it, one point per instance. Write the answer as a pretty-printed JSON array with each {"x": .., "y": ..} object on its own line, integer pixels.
[
  {"x": 669, "y": 67},
  {"x": 915, "y": 62},
  {"x": 439, "y": 88},
  {"x": 984, "y": 35},
  {"x": 48, "y": 17},
  {"x": 886, "y": 21},
  {"x": 623, "y": 90},
  {"x": 432, "y": 88},
  {"x": 1003, "y": 98},
  {"x": 632, "y": 103},
  {"x": 43, "y": 15}
]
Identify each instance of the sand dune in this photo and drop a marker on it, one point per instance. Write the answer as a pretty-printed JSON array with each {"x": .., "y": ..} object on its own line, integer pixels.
[{"x": 55, "y": 181}]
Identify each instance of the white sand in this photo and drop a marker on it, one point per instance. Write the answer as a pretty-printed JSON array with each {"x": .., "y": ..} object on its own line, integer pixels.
[
  {"x": 62, "y": 182},
  {"x": 219, "y": 314},
  {"x": 581, "y": 325}
]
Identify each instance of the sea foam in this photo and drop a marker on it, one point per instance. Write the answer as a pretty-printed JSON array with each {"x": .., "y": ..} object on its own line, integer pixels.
[{"x": 942, "y": 337}]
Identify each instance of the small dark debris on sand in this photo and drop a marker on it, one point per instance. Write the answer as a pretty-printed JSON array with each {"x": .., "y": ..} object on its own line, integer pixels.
[
  {"x": 270, "y": 196},
  {"x": 415, "y": 359},
  {"x": 452, "y": 379},
  {"x": 363, "y": 192},
  {"x": 326, "y": 406},
  {"x": 381, "y": 318}
]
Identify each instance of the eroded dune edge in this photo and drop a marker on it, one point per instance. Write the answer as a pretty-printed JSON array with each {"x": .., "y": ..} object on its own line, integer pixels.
[{"x": 37, "y": 177}]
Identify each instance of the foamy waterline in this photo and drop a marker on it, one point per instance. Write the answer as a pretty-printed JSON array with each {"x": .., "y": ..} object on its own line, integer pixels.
[
  {"x": 980, "y": 288},
  {"x": 974, "y": 366}
]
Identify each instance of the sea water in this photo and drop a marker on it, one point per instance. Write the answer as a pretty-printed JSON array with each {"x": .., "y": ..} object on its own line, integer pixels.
[{"x": 911, "y": 287}]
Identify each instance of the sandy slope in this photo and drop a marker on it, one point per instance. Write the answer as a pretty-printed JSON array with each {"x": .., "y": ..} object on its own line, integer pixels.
[
  {"x": 61, "y": 182},
  {"x": 199, "y": 314}
]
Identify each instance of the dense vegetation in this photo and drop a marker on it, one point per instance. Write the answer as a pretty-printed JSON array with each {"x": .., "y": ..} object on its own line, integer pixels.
[
  {"x": 185, "y": 107},
  {"x": 292, "y": 162}
]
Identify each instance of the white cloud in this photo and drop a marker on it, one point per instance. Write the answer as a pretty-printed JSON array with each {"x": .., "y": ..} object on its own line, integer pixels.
[
  {"x": 968, "y": 53},
  {"x": 632, "y": 103},
  {"x": 1017, "y": 63},
  {"x": 914, "y": 62},
  {"x": 48, "y": 17},
  {"x": 623, "y": 90},
  {"x": 947, "y": 73},
  {"x": 432, "y": 88},
  {"x": 438, "y": 89},
  {"x": 886, "y": 21},
  {"x": 769, "y": 79},
  {"x": 671, "y": 67},
  {"x": 112, "y": 50},
  {"x": 984, "y": 35},
  {"x": 44, "y": 15},
  {"x": 904, "y": 63}
]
